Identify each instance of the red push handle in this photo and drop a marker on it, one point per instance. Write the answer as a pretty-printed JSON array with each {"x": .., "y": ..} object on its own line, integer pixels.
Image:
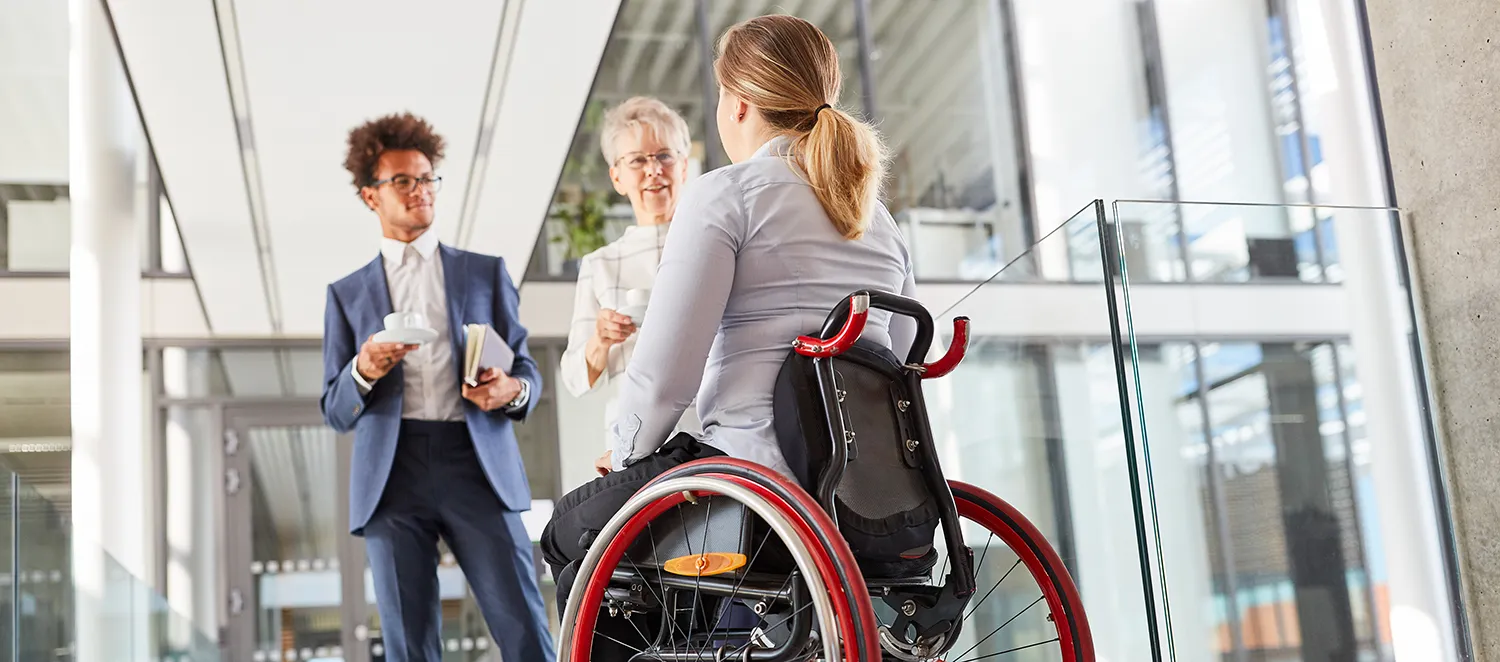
[
  {"x": 859, "y": 311},
  {"x": 955, "y": 353}
]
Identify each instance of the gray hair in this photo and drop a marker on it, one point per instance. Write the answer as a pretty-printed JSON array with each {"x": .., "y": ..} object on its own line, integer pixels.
[{"x": 637, "y": 114}]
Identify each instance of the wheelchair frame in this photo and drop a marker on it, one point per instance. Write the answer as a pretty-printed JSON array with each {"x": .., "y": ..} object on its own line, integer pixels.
[{"x": 832, "y": 579}]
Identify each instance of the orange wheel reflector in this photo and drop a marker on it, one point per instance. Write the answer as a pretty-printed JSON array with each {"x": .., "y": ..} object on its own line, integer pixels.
[{"x": 704, "y": 565}]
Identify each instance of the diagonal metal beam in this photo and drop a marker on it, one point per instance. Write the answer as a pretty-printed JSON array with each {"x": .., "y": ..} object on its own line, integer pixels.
[
  {"x": 667, "y": 55},
  {"x": 648, "y": 17}
]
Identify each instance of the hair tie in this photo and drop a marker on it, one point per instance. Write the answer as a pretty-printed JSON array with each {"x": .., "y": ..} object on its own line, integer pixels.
[{"x": 820, "y": 110}]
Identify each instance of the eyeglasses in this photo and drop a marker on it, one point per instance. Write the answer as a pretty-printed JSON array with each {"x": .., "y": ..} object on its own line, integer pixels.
[
  {"x": 404, "y": 184},
  {"x": 663, "y": 158}
]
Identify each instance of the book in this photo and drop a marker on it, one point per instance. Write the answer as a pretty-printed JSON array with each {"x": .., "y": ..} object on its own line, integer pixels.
[{"x": 484, "y": 349}]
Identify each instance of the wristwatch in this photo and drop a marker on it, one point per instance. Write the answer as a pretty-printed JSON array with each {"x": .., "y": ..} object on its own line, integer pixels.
[{"x": 522, "y": 397}]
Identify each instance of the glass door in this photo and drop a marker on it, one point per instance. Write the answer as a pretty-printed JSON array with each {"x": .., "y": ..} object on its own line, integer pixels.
[{"x": 294, "y": 582}]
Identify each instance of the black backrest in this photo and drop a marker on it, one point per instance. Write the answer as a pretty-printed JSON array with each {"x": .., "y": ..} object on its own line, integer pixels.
[{"x": 883, "y": 505}]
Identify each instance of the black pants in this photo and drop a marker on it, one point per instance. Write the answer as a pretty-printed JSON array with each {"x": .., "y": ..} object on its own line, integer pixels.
[{"x": 580, "y": 515}]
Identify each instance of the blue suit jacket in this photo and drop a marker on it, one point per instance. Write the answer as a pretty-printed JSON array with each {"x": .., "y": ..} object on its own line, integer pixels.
[{"x": 479, "y": 291}]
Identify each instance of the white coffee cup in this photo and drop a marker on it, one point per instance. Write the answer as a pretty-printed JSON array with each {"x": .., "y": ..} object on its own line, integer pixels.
[
  {"x": 638, "y": 296},
  {"x": 400, "y": 321}
]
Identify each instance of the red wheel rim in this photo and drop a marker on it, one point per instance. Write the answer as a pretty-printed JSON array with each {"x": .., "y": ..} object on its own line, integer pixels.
[
  {"x": 1014, "y": 530},
  {"x": 858, "y": 594},
  {"x": 593, "y": 597}
]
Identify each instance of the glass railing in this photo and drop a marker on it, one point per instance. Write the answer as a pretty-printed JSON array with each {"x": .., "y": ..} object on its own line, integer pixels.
[
  {"x": 38, "y": 595},
  {"x": 1036, "y": 415},
  {"x": 1224, "y": 432},
  {"x": 1293, "y": 488}
]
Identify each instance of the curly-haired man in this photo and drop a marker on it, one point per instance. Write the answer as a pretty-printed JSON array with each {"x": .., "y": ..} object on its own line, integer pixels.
[{"x": 434, "y": 457}]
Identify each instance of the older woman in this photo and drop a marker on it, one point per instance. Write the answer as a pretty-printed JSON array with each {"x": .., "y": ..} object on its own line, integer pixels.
[{"x": 646, "y": 144}]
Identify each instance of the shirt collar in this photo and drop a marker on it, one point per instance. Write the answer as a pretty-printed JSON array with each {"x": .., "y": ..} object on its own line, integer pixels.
[
  {"x": 778, "y": 145},
  {"x": 395, "y": 251}
]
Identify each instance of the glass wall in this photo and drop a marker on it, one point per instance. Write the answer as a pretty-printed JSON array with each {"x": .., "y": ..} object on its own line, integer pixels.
[{"x": 955, "y": 181}]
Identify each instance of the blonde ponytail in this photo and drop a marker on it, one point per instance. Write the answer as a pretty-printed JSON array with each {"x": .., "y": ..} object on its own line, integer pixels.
[
  {"x": 845, "y": 163},
  {"x": 789, "y": 70}
]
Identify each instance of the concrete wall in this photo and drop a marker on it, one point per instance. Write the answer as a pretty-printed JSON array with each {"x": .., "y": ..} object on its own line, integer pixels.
[{"x": 1438, "y": 67}]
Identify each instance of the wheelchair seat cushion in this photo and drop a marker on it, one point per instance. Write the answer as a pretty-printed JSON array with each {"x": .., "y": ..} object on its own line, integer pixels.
[{"x": 883, "y": 505}]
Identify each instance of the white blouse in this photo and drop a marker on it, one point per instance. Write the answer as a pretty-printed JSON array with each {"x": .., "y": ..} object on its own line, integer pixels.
[{"x": 604, "y": 276}]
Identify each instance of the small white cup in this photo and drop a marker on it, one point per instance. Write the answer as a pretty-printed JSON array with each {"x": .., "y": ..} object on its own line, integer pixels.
[
  {"x": 400, "y": 321},
  {"x": 638, "y": 296}
]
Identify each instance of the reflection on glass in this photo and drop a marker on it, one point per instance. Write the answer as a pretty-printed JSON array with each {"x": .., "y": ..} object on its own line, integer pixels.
[
  {"x": 295, "y": 528},
  {"x": 1265, "y": 470},
  {"x": 1224, "y": 243},
  {"x": 43, "y": 576}
]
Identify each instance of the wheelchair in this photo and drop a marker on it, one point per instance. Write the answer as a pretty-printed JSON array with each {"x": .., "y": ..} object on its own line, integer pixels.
[{"x": 722, "y": 559}]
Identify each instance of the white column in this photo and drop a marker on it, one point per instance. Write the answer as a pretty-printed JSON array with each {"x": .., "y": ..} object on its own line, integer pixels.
[
  {"x": 1421, "y": 622},
  {"x": 111, "y": 512}
]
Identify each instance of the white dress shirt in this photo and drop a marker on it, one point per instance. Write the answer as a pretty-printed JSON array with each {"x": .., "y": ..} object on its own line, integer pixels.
[
  {"x": 414, "y": 276},
  {"x": 604, "y": 276},
  {"x": 751, "y": 263}
]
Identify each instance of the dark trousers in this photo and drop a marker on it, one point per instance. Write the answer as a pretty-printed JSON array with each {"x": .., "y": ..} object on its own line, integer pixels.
[
  {"x": 438, "y": 489},
  {"x": 579, "y": 517}
]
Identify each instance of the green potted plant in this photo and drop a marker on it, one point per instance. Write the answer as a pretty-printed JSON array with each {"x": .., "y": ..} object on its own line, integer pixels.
[
  {"x": 578, "y": 210},
  {"x": 583, "y": 221}
]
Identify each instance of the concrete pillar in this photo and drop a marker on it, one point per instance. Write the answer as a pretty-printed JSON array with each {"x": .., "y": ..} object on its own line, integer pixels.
[
  {"x": 1437, "y": 64},
  {"x": 111, "y": 472}
]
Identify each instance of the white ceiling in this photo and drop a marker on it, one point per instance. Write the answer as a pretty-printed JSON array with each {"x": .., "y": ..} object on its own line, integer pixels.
[{"x": 248, "y": 105}]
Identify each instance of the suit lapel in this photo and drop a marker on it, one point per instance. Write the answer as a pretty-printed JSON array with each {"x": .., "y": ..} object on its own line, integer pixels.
[
  {"x": 455, "y": 281},
  {"x": 379, "y": 292},
  {"x": 374, "y": 276}
]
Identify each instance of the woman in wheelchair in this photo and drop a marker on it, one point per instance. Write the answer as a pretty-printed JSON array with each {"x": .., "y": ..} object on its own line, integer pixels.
[{"x": 815, "y": 487}]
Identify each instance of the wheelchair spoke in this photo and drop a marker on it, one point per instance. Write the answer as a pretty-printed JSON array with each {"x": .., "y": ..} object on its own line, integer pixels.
[
  {"x": 1002, "y": 625},
  {"x": 992, "y": 589},
  {"x": 985, "y": 553},
  {"x": 1006, "y": 652},
  {"x": 698, "y": 577},
  {"x": 637, "y": 650}
]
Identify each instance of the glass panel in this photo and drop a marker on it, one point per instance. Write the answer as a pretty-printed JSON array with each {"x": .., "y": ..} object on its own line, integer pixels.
[
  {"x": 1226, "y": 243},
  {"x": 954, "y": 186},
  {"x": 43, "y": 577},
  {"x": 1271, "y": 488},
  {"x": 295, "y": 525},
  {"x": 1036, "y": 418},
  {"x": 8, "y": 502}
]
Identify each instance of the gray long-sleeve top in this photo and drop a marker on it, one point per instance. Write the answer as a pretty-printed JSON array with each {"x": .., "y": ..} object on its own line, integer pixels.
[{"x": 752, "y": 262}]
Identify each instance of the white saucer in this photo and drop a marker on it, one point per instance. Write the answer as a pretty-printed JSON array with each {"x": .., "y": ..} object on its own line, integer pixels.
[
  {"x": 407, "y": 336},
  {"x": 636, "y": 314}
]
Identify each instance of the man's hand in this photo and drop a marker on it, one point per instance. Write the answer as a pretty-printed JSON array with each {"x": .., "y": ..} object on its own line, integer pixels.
[
  {"x": 495, "y": 390},
  {"x": 376, "y": 359},
  {"x": 605, "y": 463}
]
